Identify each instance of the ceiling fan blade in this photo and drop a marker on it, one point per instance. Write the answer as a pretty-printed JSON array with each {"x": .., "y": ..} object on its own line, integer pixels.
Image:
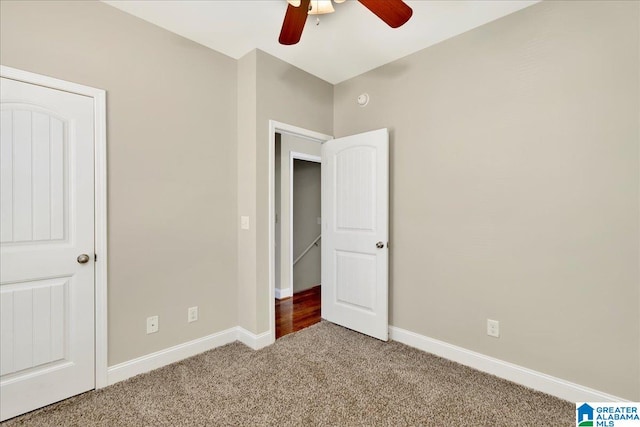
[
  {"x": 293, "y": 24},
  {"x": 394, "y": 12}
]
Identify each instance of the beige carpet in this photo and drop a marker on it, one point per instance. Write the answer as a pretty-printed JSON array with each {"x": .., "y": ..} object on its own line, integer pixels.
[{"x": 323, "y": 375}]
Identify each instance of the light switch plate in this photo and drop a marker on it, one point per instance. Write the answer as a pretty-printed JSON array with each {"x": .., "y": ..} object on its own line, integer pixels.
[{"x": 244, "y": 222}]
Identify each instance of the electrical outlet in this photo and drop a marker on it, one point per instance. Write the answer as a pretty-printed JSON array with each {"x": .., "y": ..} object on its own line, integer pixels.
[
  {"x": 493, "y": 328},
  {"x": 192, "y": 314},
  {"x": 152, "y": 324}
]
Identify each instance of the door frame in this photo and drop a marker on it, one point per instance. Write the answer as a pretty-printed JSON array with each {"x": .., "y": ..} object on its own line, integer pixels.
[
  {"x": 100, "y": 201},
  {"x": 282, "y": 128}
]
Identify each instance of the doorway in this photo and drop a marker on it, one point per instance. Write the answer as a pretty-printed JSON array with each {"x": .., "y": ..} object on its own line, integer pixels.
[
  {"x": 297, "y": 224},
  {"x": 355, "y": 212}
]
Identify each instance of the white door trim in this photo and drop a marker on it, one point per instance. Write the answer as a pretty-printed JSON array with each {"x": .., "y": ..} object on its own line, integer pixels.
[
  {"x": 100, "y": 182},
  {"x": 281, "y": 128},
  {"x": 295, "y": 156}
]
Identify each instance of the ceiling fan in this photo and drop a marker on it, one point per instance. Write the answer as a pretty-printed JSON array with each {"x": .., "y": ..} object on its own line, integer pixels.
[{"x": 394, "y": 12}]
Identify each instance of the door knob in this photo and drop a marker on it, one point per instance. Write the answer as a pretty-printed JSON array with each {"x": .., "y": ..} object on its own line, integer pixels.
[
  {"x": 379, "y": 245},
  {"x": 83, "y": 259}
]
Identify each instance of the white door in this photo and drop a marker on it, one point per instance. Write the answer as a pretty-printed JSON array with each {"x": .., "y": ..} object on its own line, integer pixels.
[
  {"x": 47, "y": 222},
  {"x": 355, "y": 212}
]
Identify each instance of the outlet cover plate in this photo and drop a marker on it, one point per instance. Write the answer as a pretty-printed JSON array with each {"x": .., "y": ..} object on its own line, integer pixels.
[
  {"x": 493, "y": 328},
  {"x": 152, "y": 324},
  {"x": 192, "y": 314}
]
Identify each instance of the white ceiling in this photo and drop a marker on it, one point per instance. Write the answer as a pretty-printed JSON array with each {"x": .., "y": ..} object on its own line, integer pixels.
[{"x": 345, "y": 44}]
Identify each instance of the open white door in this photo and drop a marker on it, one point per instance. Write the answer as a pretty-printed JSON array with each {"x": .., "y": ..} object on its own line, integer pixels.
[
  {"x": 355, "y": 217},
  {"x": 46, "y": 246}
]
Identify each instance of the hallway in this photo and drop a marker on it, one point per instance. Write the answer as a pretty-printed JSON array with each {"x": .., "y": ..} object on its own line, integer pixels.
[{"x": 298, "y": 312}]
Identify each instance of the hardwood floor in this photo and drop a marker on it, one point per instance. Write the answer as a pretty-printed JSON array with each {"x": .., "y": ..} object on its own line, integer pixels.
[{"x": 298, "y": 312}]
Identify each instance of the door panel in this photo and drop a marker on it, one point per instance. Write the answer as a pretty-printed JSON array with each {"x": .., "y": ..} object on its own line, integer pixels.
[
  {"x": 33, "y": 175},
  {"x": 355, "y": 272},
  {"x": 47, "y": 220},
  {"x": 33, "y": 324},
  {"x": 355, "y": 218}
]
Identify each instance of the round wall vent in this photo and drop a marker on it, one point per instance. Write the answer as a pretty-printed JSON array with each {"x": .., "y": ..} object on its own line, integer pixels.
[{"x": 363, "y": 99}]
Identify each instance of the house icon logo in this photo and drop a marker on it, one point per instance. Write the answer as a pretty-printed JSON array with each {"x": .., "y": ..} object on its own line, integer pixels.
[{"x": 585, "y": 416}]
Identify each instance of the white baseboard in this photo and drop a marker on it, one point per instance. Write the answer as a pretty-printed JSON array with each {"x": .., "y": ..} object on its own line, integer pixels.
[
  {"x": 252, "y": 340},
  {"x": 509, "y": 371},
  {"x": 283, "y": 293},
  {"x": 149, "y": 362},
  {"x": 517, "y": 374}
]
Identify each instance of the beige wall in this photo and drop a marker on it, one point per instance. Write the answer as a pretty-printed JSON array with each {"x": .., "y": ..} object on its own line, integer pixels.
[
  {"x": 289, "y": 144},
  {"x": 288, "y": 95},
  {"x": 515, "y": 187},
  {"x": 306, "y": 211},
  {"x": 246, "y": 165},
  {"x": 171, "y": 107}
]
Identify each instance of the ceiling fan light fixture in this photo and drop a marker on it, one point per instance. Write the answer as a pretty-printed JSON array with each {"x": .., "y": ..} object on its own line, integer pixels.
[
  {"x": 394, "y": 13},
  {"x": 320, "y": 7},
  {"x": 338, "y": 1}
]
